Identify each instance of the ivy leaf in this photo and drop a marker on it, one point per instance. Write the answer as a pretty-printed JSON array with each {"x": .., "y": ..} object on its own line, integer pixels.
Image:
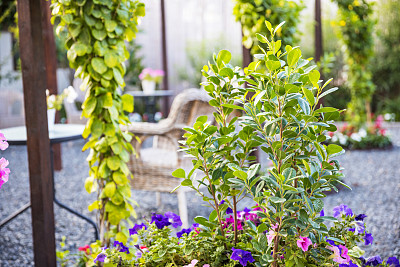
[
  {"x": 119, "y": 178},
  {"x": 118, "y": 77},
  {"x": 99, "y": 34},
  {"x": 127, "y": 102},
  {"x": 113, "y": 163},
  {"x": 98, "y": 65},
  {"x": 110, "y": 25},
  {"x": 109, "y": 189},
  {"x": 79, "y": 48},
  {"x": 111, "y": 59}
]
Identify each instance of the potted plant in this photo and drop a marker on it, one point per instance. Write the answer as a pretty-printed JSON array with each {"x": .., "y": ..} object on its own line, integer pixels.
[
  {"x": 55, "y": 102},
  {"x": 150, "y": 78}
]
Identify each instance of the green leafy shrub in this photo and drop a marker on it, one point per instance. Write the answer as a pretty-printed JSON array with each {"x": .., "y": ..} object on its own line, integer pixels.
[{"x": 287, "y": 226}]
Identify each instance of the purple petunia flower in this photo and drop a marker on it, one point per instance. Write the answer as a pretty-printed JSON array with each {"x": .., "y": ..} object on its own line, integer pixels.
[
  {"x": 101, "y": 256},
  {"x": 242, "y": 256},
  {"x": 351, "y": 264},
  {"x": 222, "y": 202},
  {"x": 184, "y": 231},
  {"x": 121, "y": 246},
  {"x": 331, "y": 242},
  {"x": 246, "y": 210},
  {"x": 358, "y": 227},
  {"x": 393, "y": 262},
  {"x": 174, "y": 219},
  {"x": 368, "y": 239},
  {"x": 136, "y": 228},
  {"x": 360, "y": 217},
  {"x": 322, "y": 213},
  {"x": 160, "y": 221},
  {"x": 342, "y": 209},
  {"x": 229, "y": 210},
  {"x": 374, "y": 261}
]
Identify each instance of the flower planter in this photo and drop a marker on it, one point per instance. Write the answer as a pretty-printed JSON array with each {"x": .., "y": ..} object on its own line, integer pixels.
[
  {"x": 51, "y": 117},
  {"x": 148, "y": 87}
]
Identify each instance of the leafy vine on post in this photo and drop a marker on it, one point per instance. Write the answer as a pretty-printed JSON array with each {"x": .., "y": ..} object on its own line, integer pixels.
[
  {"x": 356, "y": 31},
  {"x": 96, "y": 33},
  {"x": 252, "y": 14}
]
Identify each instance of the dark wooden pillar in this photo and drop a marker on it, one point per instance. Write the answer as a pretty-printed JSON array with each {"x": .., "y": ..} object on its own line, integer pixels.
[
  {"x": 318, "y": 31},
  {"x": 51, "y": 69},
  {"x": 165, "y": 106},
  {"x": 34, "y": 81}
]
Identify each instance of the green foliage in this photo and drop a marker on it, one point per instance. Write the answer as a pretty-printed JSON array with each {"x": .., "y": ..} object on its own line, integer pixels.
[
  {"x": 97, "y": 31},
  {"x": 356, "y": 32},
  {"x": 283, "y": 119},
  {"x": 386, "y": 65},
  {"x": 253, "y": 13}
]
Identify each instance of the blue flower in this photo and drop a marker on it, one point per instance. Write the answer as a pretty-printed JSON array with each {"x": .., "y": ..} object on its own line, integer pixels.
[
  {"x": 374, "y": 261},
  {"x": 229, "y": 210},
  {"x": 242, "y": 256},
  {"x": 136, "y": 228},
  {"x": 222, "y": 202},
  {"x": 360, "y": 217},
  {"x": 184, "y": 231},
  {"x": 101, "y": 256},
  {"x": 368, "y": 239},
  {"x": 160, "y": 221},
  {"x": 174, "y": 219},
  {"x": 393, "y": 262},
  {"x": 246, "y": 210},
  {"x": 330, "y": 242},
  {"x": 351, "y": 264},
  {"x": 322, "y": 213},
  {"x": 342, "y": 209},
  {"x": 121, "y": 246},
  {"x": 358, "y": 227}
]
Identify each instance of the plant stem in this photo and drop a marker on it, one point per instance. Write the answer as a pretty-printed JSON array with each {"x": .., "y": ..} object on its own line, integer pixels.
[{"x": 235, "y": 226}]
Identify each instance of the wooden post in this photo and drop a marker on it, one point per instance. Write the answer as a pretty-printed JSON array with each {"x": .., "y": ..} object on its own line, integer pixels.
[
  {"x": 51, "y": 70},
  {"x": 40, "y": 175},
  {"x": 165, "y": 106},
  {"x": 318, "y": 31}
]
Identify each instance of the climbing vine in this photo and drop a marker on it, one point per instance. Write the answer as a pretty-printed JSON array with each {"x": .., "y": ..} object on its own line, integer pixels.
[
  {"x": 356, "y": 32},
  {"x": 96, "y": 34},
  {"x": 252, "y": 14}
]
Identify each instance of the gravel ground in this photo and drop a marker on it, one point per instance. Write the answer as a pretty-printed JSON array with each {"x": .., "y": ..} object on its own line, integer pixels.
[{"x": 374, "y": 176}]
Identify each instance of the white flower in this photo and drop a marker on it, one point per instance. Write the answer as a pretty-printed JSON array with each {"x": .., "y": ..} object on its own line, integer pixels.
[
  {"x": 356, "y": 137},
  {"x": 70, "y": 94},
  {"x": 51, "y": 101},
  {"x": 334, "y": 139},
  {"x": 362, "y": 133},
  {"x": 342, "y": 138}
]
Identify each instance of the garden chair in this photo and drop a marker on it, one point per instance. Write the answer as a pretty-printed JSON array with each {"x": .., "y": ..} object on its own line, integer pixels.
[{"x": 153, "y": 166}]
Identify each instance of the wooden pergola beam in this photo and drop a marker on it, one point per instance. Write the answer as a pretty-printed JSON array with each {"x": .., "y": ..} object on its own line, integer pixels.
[
  {"x": 165, "y": 106},
  {"x": 51, "y": 70},
  {"x": 318, "y": 31},
  {"x": 33, "y": 68}
]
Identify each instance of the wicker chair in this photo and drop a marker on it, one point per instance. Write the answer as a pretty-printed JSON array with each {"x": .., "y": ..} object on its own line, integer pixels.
[{"x": 153, "y": 165}]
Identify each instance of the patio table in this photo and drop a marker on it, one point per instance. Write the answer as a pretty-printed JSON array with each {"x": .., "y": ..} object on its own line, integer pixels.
[
  {"x": 150, "y": 100},
  {"x": 61, "y": 133}
]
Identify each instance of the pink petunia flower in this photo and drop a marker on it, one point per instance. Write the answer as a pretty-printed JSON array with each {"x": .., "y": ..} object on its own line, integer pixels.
[
  {"x": 3, "y": 142},
  {"x": 270, "y": 236},
  {"x": 4, "y": 172},
  {"x": 304, "y": 243},
  {"x": 341, "y": 258}
]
